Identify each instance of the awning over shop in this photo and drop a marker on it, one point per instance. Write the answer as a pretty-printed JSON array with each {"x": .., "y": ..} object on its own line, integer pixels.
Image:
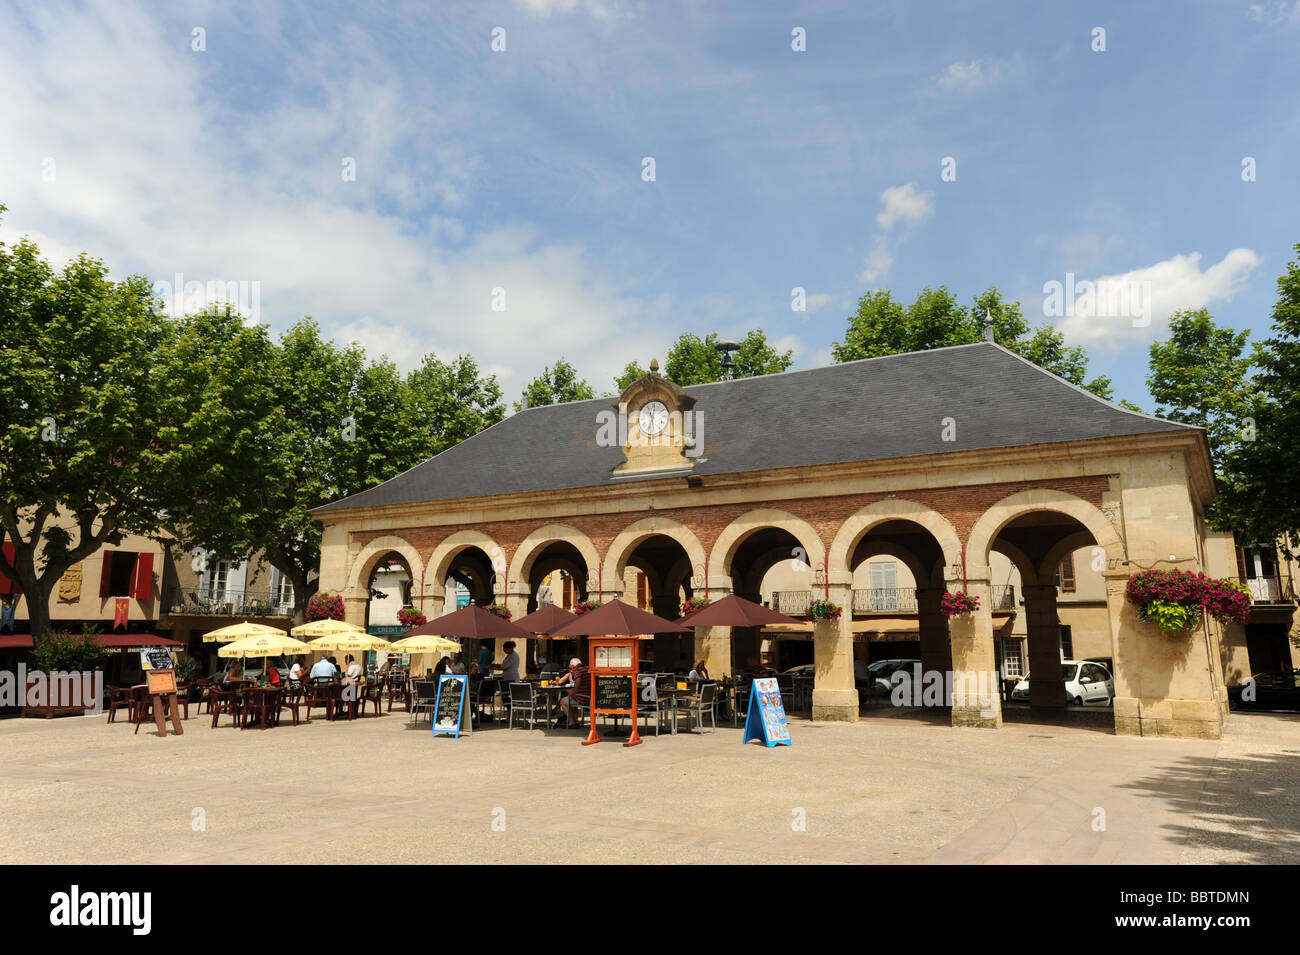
[
  {"x": 15, "y": 641},
  {"x": 129, "y": 641}
]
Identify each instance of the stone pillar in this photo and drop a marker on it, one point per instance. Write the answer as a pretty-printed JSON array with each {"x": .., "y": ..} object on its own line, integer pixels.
[
  {"x": 668, "y": 646},
  {"x": 936, "y": 650},
  {"x": 835, "y": 696},
  {"x": 714, "y": 644},
  {"x": 1164, "y": 685},
  {"x": 354, "y": 608},
  {"x": 975, "y": 697},
  {"x": 1046, "y": 688},
  {"x": 516, "y": 601}
]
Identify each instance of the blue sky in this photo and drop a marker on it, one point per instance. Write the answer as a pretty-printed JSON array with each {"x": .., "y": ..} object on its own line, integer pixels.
[{"x": 522, "y": 169}]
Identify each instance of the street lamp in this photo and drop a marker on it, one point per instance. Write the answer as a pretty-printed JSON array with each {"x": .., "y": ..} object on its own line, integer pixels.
[{"x": 726, "y": 347}]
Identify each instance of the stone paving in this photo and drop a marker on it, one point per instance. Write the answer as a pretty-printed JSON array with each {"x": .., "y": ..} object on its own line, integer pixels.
[{"x": 895, "y": 787}]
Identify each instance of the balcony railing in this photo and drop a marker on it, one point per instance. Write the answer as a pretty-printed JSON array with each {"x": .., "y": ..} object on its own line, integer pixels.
[
  {"x": 1277, "y": 589},
  {"x": 882, "y": 600},
  {"x": 244, "y": 603}
]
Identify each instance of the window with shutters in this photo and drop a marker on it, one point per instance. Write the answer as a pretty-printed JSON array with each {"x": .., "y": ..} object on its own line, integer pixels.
[
  {"x": 121, "y": 573},
  {"x": 1067, "y": 644},
  {"x": 1065, "y": 575},
  {"x": 1013, "y": 657}
]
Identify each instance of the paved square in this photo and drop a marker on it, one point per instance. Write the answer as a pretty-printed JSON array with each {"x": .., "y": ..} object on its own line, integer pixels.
[{"x": 890, "y": 788}]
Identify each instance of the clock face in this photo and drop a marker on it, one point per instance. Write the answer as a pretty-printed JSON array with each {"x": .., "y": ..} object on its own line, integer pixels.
[{"x": 653, "y": 418}]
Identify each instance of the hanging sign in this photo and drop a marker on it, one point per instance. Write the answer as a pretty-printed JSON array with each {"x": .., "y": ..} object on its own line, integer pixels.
[
  {"x": 155, "y": 658},
  {"x": 449, "y": 710},
  {"x": 766, "y": 720}
]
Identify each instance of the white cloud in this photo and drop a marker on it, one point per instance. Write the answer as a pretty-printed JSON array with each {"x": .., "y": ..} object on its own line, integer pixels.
[
  {"x": 904, "y": 204},
  {"x": 597, "y": 9},
  {"x": 817, "y": 302},
  {"x": 975, "y": 75},
  {"x": 878, "y": 262},
  {"x": 1279, "y": 12},
  {"x": 1153, "y": 293},
  {"x": 217, "y": 193}
]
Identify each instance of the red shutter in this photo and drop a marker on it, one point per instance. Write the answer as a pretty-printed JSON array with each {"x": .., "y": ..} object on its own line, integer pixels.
[
  {"x": 143, "y": 588},
  {"x": 1067, "y": 574},
  {"x": 7, "y": 585},
  {"x": 106, "y": 575}
]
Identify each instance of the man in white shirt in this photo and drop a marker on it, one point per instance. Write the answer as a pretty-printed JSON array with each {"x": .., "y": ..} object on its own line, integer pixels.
[
  {"x": 354, "y": 672},
  {"x": 510, "y": 663}
]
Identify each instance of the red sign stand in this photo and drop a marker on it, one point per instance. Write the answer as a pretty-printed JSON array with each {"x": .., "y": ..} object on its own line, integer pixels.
[{"x": 613, "y": 657}]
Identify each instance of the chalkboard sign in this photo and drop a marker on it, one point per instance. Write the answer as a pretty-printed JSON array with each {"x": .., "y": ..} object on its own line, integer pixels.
[
  {"x": 449, "y": 711},
  {"x": 155, "y": 658},
  {"x": 766, "y": 721},
  {"x": 613, "y": 692}
]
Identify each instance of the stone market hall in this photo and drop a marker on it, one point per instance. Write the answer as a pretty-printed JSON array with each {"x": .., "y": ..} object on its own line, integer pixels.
[{"x": 940, "y": 458}]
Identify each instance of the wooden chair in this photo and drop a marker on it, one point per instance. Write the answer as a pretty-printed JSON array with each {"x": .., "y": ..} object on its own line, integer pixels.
[
  {"x": 371, "y": 693},
  {"x": 321, "y": 692},
  {"x": 399, "y": 686},
  {"x": 121, "y": 698}
]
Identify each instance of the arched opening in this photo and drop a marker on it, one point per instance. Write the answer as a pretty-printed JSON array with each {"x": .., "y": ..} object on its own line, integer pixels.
[
  {"x": 390, "y": 586},
  {"x": 1063, "y": 630},
  {"x": 556, "y": 575},
  {"x": 897, "y": 567},
  {"x": 770, "y": 565},
  {"x": 657, "y": 576}
]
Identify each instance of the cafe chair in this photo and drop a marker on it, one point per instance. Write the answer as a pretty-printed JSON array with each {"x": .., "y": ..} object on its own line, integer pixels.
[
  {"x": 523, "y": 699},
  {"x": 399, "y": 687},
  {"x": 372, "y": 693},
  {"x": 121, "y": 698},
  {"x": 426, "y": 698},
  {"x": 740, "y": 702},
  {"x": 696, "y": 706}
]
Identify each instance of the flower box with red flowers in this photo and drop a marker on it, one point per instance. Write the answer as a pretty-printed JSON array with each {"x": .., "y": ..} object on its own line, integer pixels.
[{"x": 956, "y": 604}]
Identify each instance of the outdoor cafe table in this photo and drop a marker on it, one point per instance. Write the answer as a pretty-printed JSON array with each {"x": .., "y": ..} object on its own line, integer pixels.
[
  {"x": 264, "y": 700},
  {"x": 551, "y": 696}
]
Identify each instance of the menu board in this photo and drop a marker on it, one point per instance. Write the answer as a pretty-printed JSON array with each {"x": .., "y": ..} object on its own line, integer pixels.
[
  {"x": 155, "y": 658},
  {"x": 449, "y": 711},
  {"x": 766, "y": 721},
  {"x": 161, "y": 682},
  {"x": 613, "y": 692}
]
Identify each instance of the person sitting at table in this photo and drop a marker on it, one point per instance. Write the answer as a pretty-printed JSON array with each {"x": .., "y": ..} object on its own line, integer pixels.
[
  {"x": 455, "y": 666},
  {"x": 510, "y": 663},
  {"x": 321, "y": 668},
  {"x": 236, "y": 673},
  {"x": 441, "y": 668},
  {"x": 574, "y": 680},
  {"x": 295, "y": 671},
  {"x": 353, "y": 676},
  {"x": 699, "y": 673}
]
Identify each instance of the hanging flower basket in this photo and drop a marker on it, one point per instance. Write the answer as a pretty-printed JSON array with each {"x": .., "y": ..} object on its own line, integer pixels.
[
  {"x": 1173, "y": 599},
  {"x": 498, "y": 609},
  {"x": 694, "y": 604},
  {"x": 824, "y": 610},
  {"x": 585, "y": 606},
  {"x": 955, "y": 604},
  {"x": 325, "y": 607},
  {"x": 410, "y": 617}
]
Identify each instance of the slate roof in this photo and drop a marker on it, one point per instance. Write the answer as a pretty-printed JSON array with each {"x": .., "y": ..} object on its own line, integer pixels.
[{"x": 868, "y": 410}]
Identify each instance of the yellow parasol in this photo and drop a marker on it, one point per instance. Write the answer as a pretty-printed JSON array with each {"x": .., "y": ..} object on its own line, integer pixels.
[
  {"x": 325, "y": 628},
  {"x": 265, "y": 645},
  {"x": 239, "y": 631},
  {"x": 349, "y": 643},
  {"x": 427, "y": 643}
]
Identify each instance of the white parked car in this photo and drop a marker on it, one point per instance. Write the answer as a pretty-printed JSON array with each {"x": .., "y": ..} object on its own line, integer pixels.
[{"x": 1086, "y": 684}]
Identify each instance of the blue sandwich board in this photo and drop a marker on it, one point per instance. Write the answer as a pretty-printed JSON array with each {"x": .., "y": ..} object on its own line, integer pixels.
[
  {"x": 765, "y": 720},
  {"x": 449, "y": 709}
]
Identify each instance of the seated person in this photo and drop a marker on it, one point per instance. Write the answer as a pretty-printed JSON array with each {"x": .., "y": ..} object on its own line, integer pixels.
[
  {"x": 579, "y": 691},
  {"x": 321, "y": 668},
  {"x": 699, "y": 673}
]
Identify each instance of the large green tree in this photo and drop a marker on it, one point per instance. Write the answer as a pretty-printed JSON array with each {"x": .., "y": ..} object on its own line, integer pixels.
[
  {"x": 84, "y": 427},
  {"x": 937, "y": 319},
  {"x": 557, "y": 384},
  {"x": 1260, "y": 481},
  {"x": 1200, "y": 375},
  {"x": 693, "y": 360}
]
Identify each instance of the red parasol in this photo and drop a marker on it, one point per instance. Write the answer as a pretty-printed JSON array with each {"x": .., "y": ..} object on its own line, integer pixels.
[
  {"x": 733, "y": 611},
  {"x": 616, "y": 617}
]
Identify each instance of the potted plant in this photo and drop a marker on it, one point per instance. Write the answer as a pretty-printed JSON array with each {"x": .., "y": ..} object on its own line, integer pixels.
[
  {"x": 695, "y": 604},
  {"x": 585, "y": 606},
  {"x": 498, "y": 609},
  {"x": 410, "y": 617},
  {"x": 955, "y": 604},
  {"x": 824, "y": 610},
  {"x": 1173, "y": 599},
  {"x": 325, "y": 607}
]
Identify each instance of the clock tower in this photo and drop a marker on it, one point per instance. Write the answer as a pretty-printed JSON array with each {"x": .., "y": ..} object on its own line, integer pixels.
[{"x": 662, "y": 431}]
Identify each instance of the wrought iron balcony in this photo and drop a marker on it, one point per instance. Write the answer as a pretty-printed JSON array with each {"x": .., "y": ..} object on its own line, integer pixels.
[
  {"x": 200, "y": 601},
  {"x": 882, "y": 600},
  {"x": 1275, "y": 589}
]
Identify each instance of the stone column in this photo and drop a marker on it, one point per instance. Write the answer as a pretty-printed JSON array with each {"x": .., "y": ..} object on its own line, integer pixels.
[
  {"x": 975, "y": 697},
  {"x": 1164, "y": 685},
  {"x": 835, "y": 696},
  {"x": 1046, "y": 688},
  {"x": 516, "y": 601},
  {"x": 936, "y": 650},
  {"x": 668, "y": 646},
  {"x": 354, "y": 608},
  {"x": 713, "y": 644}
]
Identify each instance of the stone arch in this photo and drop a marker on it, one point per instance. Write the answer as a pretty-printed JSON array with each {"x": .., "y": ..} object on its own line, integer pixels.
[
  {"x": 626, "y": 542},
  {"x": 1047, "y": 569},
  {"x": 444, "y": 554},
  {"x": 536, "y": 542},
  {"x": 735, "y": 533},
  {"x": 892, "y": 509},
  {"x": 915, "y": 566},
  {"x": 364, "y": 564},
  {"x": 999, "y": 515},
  {"x": 1021, "y": 561}
]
